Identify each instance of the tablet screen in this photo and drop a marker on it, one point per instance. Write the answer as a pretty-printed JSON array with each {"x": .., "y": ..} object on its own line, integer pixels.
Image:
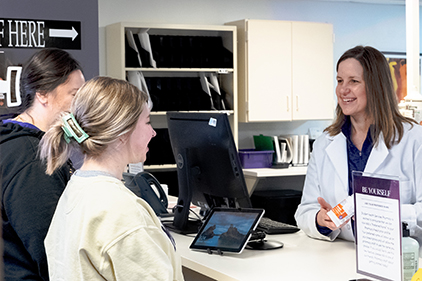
[{"x": 227, "y": 229}]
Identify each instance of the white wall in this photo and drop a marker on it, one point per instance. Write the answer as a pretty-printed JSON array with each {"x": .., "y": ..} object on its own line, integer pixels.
[{"x": 379, "y": 25}]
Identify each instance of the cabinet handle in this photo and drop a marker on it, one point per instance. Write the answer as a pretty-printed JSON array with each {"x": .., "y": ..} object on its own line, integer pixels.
[
  {"x": 288, "y": 105},
  {"x": 297, "y": 103}
]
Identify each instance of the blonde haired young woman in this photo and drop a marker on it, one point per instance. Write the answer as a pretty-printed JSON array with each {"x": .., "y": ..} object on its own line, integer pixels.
[{"x": 101, "y": 230}]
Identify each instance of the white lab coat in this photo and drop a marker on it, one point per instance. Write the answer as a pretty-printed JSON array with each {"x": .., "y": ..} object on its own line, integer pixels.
[{"x": 327, "y": 177}]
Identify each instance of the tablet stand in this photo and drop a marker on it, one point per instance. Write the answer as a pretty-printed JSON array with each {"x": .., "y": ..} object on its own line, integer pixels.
[{"x": 209, "y": 251}]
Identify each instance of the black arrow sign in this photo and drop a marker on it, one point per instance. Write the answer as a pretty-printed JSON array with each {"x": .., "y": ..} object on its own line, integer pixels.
[{"x": 26, "y": 33}]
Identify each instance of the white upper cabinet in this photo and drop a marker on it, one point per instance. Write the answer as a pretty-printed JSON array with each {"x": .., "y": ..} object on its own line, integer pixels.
[{"x": 285, "y": 70}]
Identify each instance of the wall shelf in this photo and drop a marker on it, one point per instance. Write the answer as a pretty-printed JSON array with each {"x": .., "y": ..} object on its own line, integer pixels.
[{"x": 198, "y": 39}]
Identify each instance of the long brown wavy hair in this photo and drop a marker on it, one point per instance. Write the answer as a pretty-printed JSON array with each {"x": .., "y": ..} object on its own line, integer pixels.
[{"x": 382, "y": 103}]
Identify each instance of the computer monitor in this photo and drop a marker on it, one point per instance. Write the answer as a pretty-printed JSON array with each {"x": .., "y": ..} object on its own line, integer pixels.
[{"x": 208, "y": 166}]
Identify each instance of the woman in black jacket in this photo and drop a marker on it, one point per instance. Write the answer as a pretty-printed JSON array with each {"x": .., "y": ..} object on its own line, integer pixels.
[{"x": 49, "y": 82}]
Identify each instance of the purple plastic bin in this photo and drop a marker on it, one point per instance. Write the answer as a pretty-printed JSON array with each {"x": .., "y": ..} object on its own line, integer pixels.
[{"x": 251, "y": 158}]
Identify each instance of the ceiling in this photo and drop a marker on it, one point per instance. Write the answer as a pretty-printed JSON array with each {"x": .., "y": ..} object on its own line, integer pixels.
[{"x": 387, "y": 2}]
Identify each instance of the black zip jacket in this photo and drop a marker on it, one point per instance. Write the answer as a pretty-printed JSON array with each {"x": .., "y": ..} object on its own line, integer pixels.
[{"x": 29, "y": 199}]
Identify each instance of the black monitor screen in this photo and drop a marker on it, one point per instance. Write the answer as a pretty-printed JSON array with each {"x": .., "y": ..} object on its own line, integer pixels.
[{"x": 208, "y": 166}]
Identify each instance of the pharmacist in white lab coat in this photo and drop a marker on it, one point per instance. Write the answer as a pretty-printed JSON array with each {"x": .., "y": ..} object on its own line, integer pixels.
[{"x": 368, "y": 134}]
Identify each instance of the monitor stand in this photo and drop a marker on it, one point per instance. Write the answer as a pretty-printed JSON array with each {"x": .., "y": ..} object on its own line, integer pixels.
[
  {"x": 258, "y": 242},
  {"x": 191, "y": 227},
  {"x": 264, "y": 245}
]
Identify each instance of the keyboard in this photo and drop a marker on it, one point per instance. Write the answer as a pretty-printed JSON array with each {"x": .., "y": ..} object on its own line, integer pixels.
[{"x": 270, "y": 226}]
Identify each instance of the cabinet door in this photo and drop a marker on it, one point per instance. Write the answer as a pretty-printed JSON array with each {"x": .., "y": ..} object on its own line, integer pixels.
[
  {"x": 312, "y": 71},
  {"x": 268, "y": 68}
]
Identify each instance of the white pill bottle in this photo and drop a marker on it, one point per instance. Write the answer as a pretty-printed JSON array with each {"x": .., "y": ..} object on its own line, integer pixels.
[{"x": 410, "y": 254}]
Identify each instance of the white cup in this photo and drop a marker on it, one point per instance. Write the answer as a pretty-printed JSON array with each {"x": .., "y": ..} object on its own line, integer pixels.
[{"x": 166, "y": 189}]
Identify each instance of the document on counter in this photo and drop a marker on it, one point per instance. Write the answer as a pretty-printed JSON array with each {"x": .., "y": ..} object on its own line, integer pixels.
[{"x": 377, "y": 226}]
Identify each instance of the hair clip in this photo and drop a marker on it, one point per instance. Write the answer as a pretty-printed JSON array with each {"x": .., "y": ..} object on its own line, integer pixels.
[{"x": 72, "y": 129}]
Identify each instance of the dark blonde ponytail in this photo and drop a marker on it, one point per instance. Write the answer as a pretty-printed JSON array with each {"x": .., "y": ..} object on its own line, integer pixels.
[{"x": 53, "y": 148}]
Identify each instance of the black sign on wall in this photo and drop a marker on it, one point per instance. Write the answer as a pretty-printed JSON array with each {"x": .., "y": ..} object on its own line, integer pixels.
[{"x": 26, "y": 33}]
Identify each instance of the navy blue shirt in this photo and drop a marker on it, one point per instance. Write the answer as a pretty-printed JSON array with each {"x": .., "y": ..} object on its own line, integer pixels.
[
  {"x": 356, "y": 160},
  {"x": 23, "y": 124}
]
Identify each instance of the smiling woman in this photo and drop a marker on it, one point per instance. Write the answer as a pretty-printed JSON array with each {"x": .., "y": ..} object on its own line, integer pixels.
[
  {"x": 351, "y": 91},
  {"x": 369, "y": 135},
  {"x": 381, "y": 103}
]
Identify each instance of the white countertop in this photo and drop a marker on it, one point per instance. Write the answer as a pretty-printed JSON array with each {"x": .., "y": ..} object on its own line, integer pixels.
[
  {"x": 301, "y": 258},
  {"x": 272, "y": 172}
]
